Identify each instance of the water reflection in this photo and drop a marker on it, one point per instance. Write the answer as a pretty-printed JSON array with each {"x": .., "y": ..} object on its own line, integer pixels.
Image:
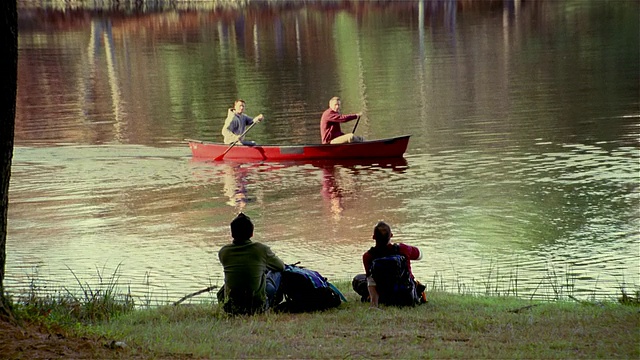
[
  {"x": 235, "y": 178},
  {"x": 101, "y": 36},
  {"x": 331, "y": 191},
  {"x": 501, "y": 166},
  {"x": 339, "y": 178},
  {"x": 235, "y": 185}
]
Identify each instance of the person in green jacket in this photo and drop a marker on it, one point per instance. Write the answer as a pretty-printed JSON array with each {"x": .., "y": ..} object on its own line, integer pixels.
[{"x": 252, "y": 272}]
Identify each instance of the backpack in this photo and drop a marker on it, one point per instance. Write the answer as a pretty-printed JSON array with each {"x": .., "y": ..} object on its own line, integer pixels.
[
  {"x": 393, "y": 279},
  {"x": 306, "y": 290}
]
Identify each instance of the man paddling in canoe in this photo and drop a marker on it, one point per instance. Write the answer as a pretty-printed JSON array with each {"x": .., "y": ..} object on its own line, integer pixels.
[
  {"x": 330, "y": 131},
  {"x": 236, "y": 123}
]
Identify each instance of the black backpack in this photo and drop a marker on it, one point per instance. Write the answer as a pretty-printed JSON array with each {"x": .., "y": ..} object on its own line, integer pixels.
[
  {"x": 393, "y": 278},
  {"x": 306, "y": 290}
]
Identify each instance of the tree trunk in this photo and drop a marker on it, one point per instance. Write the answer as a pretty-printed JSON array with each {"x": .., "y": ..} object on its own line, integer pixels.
[{"x": 8, "y": 90}]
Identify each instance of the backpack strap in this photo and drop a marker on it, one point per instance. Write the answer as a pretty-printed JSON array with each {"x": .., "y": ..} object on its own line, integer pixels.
[
  {"x": 396, "y": 249},
  {"x": 335, "y": 289},
  {"x": 377, "y": 253}
]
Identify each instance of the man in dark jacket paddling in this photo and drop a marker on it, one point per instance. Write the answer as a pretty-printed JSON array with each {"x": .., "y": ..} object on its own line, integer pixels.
[
  {"x": 252, "y": 272},
  {"x": 237, "y": 122}
]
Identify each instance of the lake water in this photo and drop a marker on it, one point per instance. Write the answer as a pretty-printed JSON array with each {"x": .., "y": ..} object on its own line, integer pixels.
[{"x": 521, "y": 176}]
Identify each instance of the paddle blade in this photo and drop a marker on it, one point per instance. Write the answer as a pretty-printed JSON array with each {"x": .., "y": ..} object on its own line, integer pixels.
[{"x": 221, "y": 156}]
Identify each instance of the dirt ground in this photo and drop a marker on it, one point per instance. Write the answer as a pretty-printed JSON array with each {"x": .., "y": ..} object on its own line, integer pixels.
[{"x": 32, "y": 342}]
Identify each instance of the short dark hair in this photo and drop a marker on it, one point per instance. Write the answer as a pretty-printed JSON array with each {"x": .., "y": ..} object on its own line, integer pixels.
[
  {"x": 382, "y": 233},
  {"x": 241, "y": 227}
]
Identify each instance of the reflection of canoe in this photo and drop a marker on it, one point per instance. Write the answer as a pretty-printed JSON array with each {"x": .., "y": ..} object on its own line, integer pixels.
[
  {"x": 396, "y": 164},
  {"x": 383, "y": 148}
]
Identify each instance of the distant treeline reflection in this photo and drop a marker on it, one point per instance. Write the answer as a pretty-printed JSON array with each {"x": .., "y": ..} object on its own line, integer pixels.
[{"x": 131, "y": 7}]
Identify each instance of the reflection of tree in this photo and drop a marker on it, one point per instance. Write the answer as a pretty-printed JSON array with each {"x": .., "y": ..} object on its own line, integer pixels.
[
  {"x": 101, "y": 33},
  {"x": 178, "y": 72},
  {"x": 350, "y": 63}
]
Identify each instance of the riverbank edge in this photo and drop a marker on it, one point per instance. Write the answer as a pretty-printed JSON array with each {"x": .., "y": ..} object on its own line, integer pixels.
[{"x": 449, "y": 325}]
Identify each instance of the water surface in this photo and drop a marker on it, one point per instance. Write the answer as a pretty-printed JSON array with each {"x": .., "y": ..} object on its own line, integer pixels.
[{"x": 521, "y": 175}]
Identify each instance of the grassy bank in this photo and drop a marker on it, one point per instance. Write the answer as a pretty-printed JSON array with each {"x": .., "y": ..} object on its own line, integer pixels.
[{"x": 448, "y": 326}]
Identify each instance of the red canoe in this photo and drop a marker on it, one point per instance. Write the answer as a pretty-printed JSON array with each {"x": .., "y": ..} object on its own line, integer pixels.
[{"x": 391, "y": 147}]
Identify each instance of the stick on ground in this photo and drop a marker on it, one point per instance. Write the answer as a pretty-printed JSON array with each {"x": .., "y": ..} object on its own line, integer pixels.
[{"x": 194, "y": 294}]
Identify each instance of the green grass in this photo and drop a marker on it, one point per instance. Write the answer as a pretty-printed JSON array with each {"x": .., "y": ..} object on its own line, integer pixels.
[
  {"x": 460, "y": 325},
  {"x": 94, "y": 303},
  {"x": 448, "y": 326}
]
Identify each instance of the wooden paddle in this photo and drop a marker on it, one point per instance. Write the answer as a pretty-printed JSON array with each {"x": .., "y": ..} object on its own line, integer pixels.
[
  {"x": 356, "y": 125},
  {"x": 219, "y": 157}
]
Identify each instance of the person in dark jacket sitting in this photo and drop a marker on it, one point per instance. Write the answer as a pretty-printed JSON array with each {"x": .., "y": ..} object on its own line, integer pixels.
[{"x": 252, "y": 272}]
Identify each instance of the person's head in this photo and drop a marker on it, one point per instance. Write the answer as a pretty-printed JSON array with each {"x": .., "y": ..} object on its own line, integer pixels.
[
  {"x": 382, "y": 233},
  {"x": 334, "y": 104},
  {"x": 239, "y": 106},
  {"x": 241, "y": 227}
]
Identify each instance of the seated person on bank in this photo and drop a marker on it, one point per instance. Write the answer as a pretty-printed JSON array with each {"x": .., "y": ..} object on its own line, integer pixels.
[
  {"x": 236, "y": 123},
  {"x": 330, "y": 131},
  {"x": 252, "y": 272},
  {"x": 380, "y": 284}
]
